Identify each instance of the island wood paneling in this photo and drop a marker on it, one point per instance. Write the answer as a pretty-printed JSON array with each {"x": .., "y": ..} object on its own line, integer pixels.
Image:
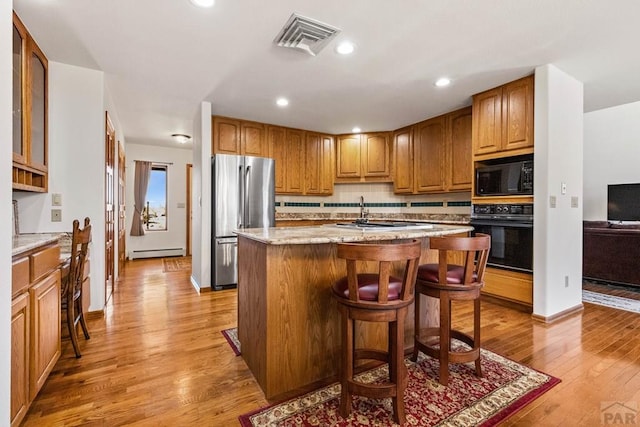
[{"x": 288, "y": 322}]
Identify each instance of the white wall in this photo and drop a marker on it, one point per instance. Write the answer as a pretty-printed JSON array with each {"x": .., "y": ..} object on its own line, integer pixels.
[
  {"x": 76, "y": 164},
  {"x": 6, "y": 155},
  {"x": 201, "y": 196},
  {"x": 176, "y": 234},
  {"x": 558, "y": 159},
  {"x": 611, "y": 154}
]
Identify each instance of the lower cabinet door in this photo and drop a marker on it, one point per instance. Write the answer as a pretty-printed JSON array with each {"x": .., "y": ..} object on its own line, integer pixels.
[
  {"x": 19, "y": 358},
  {"x": 45, "y": 330}
]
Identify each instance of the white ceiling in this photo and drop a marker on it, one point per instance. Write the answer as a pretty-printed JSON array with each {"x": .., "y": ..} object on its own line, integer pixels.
[{"x": 161, "y": 58}]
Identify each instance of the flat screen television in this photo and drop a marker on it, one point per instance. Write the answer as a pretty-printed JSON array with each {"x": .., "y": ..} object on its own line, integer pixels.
[{"x": 623, "y": 202}]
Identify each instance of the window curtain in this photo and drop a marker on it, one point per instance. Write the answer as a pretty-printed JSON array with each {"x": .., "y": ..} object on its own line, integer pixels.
[{"x": 141, "y": 181}]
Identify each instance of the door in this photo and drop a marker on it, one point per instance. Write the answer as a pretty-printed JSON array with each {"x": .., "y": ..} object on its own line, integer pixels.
[
  {"x": 226, "y": 177},
  {"x": 259, "y": 201},
  {"x": 429, "y": 140},
  {"x": 109, "y": 214},
  {"x": 121, "y": 209},
  {"x": 189, "y": 212}
]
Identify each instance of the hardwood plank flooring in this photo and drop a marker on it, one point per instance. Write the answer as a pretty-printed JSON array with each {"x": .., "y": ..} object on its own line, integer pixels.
[{"x": 158, "y": 358}]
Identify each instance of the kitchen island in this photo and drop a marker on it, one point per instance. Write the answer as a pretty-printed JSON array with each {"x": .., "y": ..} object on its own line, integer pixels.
[{"x": 288, "y": 322}]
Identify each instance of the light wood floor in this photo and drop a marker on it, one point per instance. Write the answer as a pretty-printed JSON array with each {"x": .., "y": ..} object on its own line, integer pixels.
[{"x": 158, "y": 358}]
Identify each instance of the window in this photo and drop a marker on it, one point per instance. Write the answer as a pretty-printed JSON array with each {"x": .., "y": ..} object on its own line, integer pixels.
[{"x": 154, "y": 213}]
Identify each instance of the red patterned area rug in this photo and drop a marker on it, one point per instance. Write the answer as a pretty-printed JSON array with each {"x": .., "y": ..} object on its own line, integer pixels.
[
  {"x": 506, "y": 387},
  {"x": 231, "y": 335}
]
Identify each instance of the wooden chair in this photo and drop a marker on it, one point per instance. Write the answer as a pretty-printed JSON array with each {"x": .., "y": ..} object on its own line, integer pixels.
[
  {"x": 449, "y": 282},
  {"x": 72, "y": 284},
  {"x": 376, "y": 297}
]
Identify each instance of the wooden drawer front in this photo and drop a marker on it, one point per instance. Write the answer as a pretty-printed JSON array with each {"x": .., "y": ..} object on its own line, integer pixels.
[
  {"x": 510, "y": 285},
  {"x": 19, "y": 275},
  {"x": 44, "y": 262}
]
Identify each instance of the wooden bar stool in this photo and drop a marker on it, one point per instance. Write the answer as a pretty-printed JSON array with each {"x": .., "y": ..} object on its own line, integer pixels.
[
  {"x": 72, "y": 284},
  {"x": 376, "y": 297},
  {"x": 449, "y": 282}
]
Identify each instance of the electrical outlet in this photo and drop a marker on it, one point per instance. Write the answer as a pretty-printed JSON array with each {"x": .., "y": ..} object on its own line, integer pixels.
[
  {"x": 566, "y": 281},
  {"x": 574, "y": 201},
  {"x": 552, "y": 201},
  {"x": 56, "y": 215}
]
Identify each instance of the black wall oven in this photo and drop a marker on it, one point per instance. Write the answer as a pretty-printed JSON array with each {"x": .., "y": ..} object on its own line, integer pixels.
[{"x": 511, "y": 229}]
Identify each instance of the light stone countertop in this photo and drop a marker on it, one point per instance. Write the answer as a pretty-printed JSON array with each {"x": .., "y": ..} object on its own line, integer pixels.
[
  {"x": 333, "y": 234},
  {"x": 26, "y": 242}
]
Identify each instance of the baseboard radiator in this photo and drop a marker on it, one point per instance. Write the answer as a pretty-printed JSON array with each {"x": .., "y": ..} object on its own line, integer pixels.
[{"x": 156, "y": 253}]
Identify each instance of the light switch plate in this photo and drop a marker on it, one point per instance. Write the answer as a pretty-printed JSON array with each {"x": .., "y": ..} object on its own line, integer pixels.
[
  {"x": 552, "y": 201},
  {"x": 56, "y": 215},
  {"x": 574, "y": 201},
  {"x": 56, "y": 199}
]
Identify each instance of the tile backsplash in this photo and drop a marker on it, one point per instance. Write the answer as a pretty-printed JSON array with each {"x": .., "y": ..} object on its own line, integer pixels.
[{"x": 378, "y": 198}]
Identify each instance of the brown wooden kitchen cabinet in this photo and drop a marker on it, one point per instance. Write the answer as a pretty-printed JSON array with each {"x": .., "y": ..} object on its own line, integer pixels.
[
  {"x": 20, "y": 338},
  {"x": 30, "y": 110},
  {"x": 363, "y": 157},
  {"x": 242, "y": 137},
  {"x": 503, "y": 119},
  {"x": 434, "y": 156},
  {"x": 286, "y": 147},
  {"x": 458, "y": 168},
  {"x": 403, "y": 160},
  {"x": 35, "y": 324},
  {"x": 318, "y": 164},
  {"x": 429, "y": 145}
]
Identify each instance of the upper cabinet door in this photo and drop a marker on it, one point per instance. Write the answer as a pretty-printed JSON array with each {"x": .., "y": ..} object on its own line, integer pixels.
[
  {"x": 313, "y": 164},
  {"x": 487, "y": 121},
  {"x": 226, "y": 136},
  {"x": 327, "y": 172},
  {"x": 403, "y": 160},
  {"x": 375, "y": 155},
  {"x": 429, "y": 148},
  {"x": 253, "y": 141},
  {"x": 517, "y": 114},
  {"x": 295, "y": 161},
  {"x": 19, "y": 141},
  {"x": 459, "y": 168},
  {"x": 38, "y": 105},
  {"x": 30, "y": 135},
  {"x": 278, "y": 151},
  {"x": 348, "y": 156}
]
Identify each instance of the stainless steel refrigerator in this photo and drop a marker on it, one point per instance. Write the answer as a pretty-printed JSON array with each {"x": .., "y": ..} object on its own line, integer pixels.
[{"x": 243, "y": 197}]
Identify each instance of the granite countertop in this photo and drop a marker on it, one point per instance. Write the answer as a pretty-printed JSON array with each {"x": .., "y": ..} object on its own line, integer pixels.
[
  {"x": 334, "y": 234},
  {"x": 414, "y": 217},
  {"x": 25, "y": 242}
]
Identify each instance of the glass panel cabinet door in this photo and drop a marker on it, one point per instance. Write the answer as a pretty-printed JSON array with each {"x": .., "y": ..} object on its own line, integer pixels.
[
  {"x": 18, "y": 146},
  {"x": 38, "y": 111}
]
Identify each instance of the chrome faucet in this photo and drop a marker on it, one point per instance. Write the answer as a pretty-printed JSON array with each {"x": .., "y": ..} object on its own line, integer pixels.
[{"x": 364, "y": 213}]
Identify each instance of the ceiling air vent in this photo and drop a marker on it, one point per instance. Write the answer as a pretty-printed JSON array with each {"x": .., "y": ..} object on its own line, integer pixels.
[{"x": 305, "y": 34}]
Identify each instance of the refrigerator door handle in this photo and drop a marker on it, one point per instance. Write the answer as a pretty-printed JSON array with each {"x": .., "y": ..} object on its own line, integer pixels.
[
  {"x": 247, "y": 208},
  {"x": 240, "y": 199}
]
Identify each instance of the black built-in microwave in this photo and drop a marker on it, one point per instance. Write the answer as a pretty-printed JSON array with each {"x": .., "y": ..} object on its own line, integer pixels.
[{"x": 505, "y": 179}]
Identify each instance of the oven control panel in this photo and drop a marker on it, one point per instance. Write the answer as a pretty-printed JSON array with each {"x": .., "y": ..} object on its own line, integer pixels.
[{"x": 503, "y": 211}]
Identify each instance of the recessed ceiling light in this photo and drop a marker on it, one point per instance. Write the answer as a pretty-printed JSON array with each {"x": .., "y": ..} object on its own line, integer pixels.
[
  {"x": 345, "y": 48},
  {"x": 282, "y": 102},
  {"x": 203, "y": 3},
  {"x": 442, "y": 82},
  {"x": 181, "y": 138},
  {"x": 356, "y": 130}
]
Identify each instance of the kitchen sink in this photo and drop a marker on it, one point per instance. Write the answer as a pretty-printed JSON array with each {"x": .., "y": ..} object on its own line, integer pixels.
[{"x": 383, "y": 225}]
